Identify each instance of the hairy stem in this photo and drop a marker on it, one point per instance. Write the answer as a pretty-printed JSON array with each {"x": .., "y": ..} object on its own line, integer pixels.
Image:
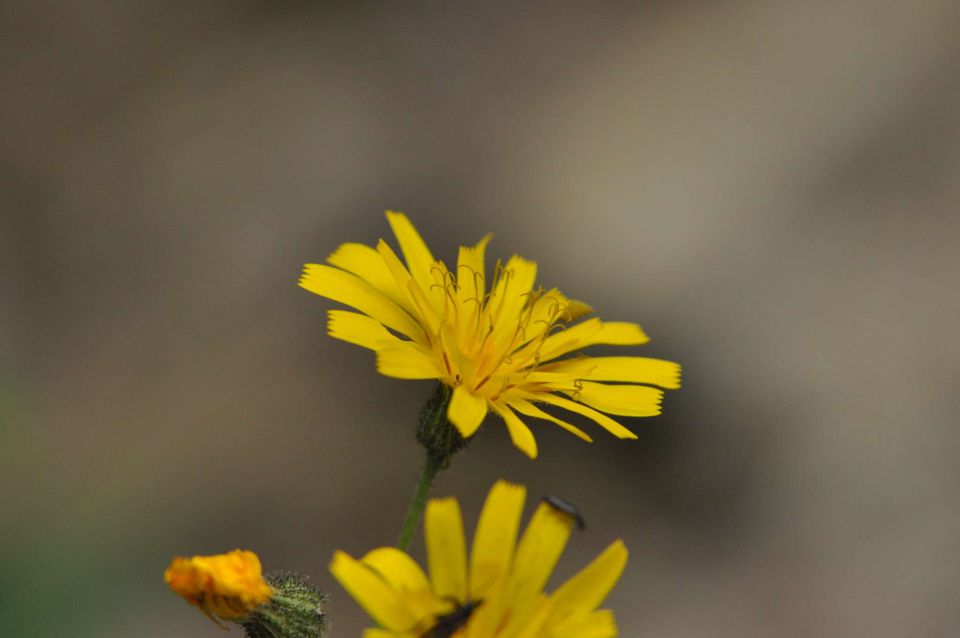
[
  {"x": 411, "y": 521},
  {"x": 442, "y": 441}
]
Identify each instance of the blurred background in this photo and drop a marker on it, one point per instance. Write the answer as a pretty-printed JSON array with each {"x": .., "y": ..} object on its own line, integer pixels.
[{"x": 770, "y": 188}]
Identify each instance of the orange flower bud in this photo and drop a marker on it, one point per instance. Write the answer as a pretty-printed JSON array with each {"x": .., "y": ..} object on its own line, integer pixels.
[{"x": 228, "y": 586}]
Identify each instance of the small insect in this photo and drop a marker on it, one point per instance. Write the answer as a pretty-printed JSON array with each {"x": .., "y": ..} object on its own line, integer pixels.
[
  {"x": 568, "y": 508},
  {"x": 447, "y": 624}
]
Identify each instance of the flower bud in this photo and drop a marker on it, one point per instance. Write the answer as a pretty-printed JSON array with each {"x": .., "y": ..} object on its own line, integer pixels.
[
  {"x": 231, "y": 587},
  {"x": 226, "y": 586},
  {"x": 294, "y": 611}
]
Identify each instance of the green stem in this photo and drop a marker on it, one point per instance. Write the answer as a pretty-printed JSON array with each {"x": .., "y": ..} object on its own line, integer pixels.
[
  {"x": 441, "y": 441},
  {"x": 411, "y": 521}
]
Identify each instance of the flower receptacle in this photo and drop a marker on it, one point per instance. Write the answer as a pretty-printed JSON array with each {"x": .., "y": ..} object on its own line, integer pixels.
[{"x": 296, "y": 610}]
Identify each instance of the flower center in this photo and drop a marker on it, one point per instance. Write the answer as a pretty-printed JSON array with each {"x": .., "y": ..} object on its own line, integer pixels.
[{"x": 492, "y": 343}]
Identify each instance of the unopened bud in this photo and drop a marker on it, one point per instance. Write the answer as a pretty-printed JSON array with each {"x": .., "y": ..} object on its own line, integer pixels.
[{"x": 296, "y": 610}]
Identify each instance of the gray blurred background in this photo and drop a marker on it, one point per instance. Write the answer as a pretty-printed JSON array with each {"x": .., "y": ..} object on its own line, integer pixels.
[{"x": 770, "y": 188}]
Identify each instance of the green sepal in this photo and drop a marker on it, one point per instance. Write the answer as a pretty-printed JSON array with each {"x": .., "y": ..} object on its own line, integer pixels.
[
  {"x": 296, "y": 610},
  {"x": 435, "y": 432}
]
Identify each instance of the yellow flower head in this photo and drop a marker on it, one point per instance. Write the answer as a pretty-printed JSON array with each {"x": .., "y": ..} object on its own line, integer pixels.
[
  {"x": 497, "y": 342},
  {"x": 229, "y": 586},
  {"x": 499, "y": 592}
]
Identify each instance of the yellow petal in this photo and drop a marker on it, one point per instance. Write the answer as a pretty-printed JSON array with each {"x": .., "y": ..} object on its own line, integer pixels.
[
  {"x": 602, "y": 420},
  {"x": 576, "y": 309},
  {"x": 533, "y": 625},
  {"x": 446, "y": 549},
  {"x": 384, "y": 604},
  {"x": 545, "y": 309},
  {"x": 401, "y": 573},
  {"x": 538, "y": 552},
  {"x": 417, "y": 298},
  {"x": 520, "y": 434},
  {"x": 471, "y": 272},
  {"x": 625, "y": 400},
  {"x": 466, "y": 411},
  {"x": 496, "y": 537},
  {"x": 350, "y": 290},
  {"x": 487, "y": 620},
  {"x": 620, "y": 333},
  {"x": 569, "y": 339},
  {"x": 525, "y": 407},
  {"x": 597, "y": 624},
  {"x": 358, "y": 329},
  {"x": 665, "y": 374},
  {"x": 397, "y": 569},
  {"x": 510, "y": 295},
  {"x": 364, "y": 262},
  {"x": 407, "y": 360},
  {"x": 587, "y": 590},
  {"x": 554, "y": 381},
  {"x": 592, "y": 332},
  {"x": 419, "y": 259}
]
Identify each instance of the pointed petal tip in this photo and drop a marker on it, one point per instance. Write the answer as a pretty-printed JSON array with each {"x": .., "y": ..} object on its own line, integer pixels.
[
  {"x": 577, "y": 309},
  {"x": 520, "y": 434},
  {"x": 481, "y": 245}
]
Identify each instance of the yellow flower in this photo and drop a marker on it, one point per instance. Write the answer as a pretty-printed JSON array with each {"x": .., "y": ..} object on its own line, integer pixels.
[
  {"x": 229, "y": 586},
  {"x": 499, "y": 347},
  {"x": 500, "y": 593}
]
